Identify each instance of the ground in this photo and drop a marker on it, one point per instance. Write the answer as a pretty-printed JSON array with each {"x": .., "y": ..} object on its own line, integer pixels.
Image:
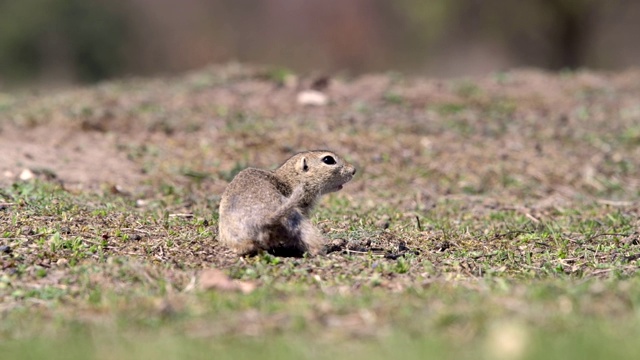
[{"x": 492, "y": 217}]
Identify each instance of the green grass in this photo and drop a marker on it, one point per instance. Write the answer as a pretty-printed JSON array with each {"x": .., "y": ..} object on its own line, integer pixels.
[
  {"x": 591, "y": 343},
  {"x": 558, "y": 284},
  {"x": 496, "y": 321}
]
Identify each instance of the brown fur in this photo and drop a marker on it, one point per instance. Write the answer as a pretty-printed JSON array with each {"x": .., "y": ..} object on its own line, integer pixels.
[{"x": 264, "y": 210}]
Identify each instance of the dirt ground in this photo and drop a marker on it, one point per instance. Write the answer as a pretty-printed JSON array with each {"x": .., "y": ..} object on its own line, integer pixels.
[{"x": 545, "y": 132}]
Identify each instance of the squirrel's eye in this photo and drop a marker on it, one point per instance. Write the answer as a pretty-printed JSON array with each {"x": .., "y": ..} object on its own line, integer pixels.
[{"x": 329, "y": 160}]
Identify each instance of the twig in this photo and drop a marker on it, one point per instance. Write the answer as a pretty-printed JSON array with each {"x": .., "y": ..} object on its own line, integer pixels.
[
  {"x": 361, "y": 252},
  {"x": 532, "y": 218},
  {"x": 186, "y": 216}
]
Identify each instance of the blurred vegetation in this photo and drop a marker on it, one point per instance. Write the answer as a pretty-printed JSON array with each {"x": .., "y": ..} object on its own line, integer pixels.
[
  {"x": 73, "y": 39},
  {"x": 89, "y": 40},
  {"x": 553, "y": 34}
]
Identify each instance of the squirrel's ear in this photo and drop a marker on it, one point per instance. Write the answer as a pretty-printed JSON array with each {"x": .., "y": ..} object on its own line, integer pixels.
[{"x": 302, "y": 164}]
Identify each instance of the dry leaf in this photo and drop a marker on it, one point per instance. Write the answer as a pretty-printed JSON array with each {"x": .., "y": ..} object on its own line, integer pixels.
[{"x": 214, "y": 279}]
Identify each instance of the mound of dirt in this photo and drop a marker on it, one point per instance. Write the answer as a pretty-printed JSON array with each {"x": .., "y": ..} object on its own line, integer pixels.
[{"x": 77, "y": 159}]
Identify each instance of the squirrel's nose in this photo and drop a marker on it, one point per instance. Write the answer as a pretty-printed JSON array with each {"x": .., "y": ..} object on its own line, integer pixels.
[{"x": 353, "y": 172}]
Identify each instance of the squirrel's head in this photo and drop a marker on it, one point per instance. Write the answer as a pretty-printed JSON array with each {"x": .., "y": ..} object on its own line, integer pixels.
[{"x": 319, "y": 170}]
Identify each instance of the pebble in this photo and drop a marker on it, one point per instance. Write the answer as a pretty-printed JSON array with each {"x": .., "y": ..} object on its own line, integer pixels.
[
  {"x": 26, "y": 175},
  {"x": 312, "y": 97},
  {"x": 62, "y": 262}
]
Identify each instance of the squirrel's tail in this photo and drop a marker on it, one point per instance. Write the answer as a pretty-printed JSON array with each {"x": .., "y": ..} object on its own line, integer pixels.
[{"x": 292, "y": 202}]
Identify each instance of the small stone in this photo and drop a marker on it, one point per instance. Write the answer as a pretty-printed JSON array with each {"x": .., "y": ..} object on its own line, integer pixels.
[
  {"x": 117, "y": 190},
  {"x": 62, "y": 262},
  {"x": 312, "y": 98},
  {"x": 26, "y": 175},
  {"x": 5, "y": 249}
]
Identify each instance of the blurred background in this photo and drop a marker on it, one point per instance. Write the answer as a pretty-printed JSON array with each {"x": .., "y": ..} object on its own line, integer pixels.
[{"x": 60, "y": 42}]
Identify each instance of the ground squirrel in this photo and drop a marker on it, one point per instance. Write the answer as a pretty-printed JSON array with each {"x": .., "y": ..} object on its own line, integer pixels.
[{"x": 264, "y": 210}]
